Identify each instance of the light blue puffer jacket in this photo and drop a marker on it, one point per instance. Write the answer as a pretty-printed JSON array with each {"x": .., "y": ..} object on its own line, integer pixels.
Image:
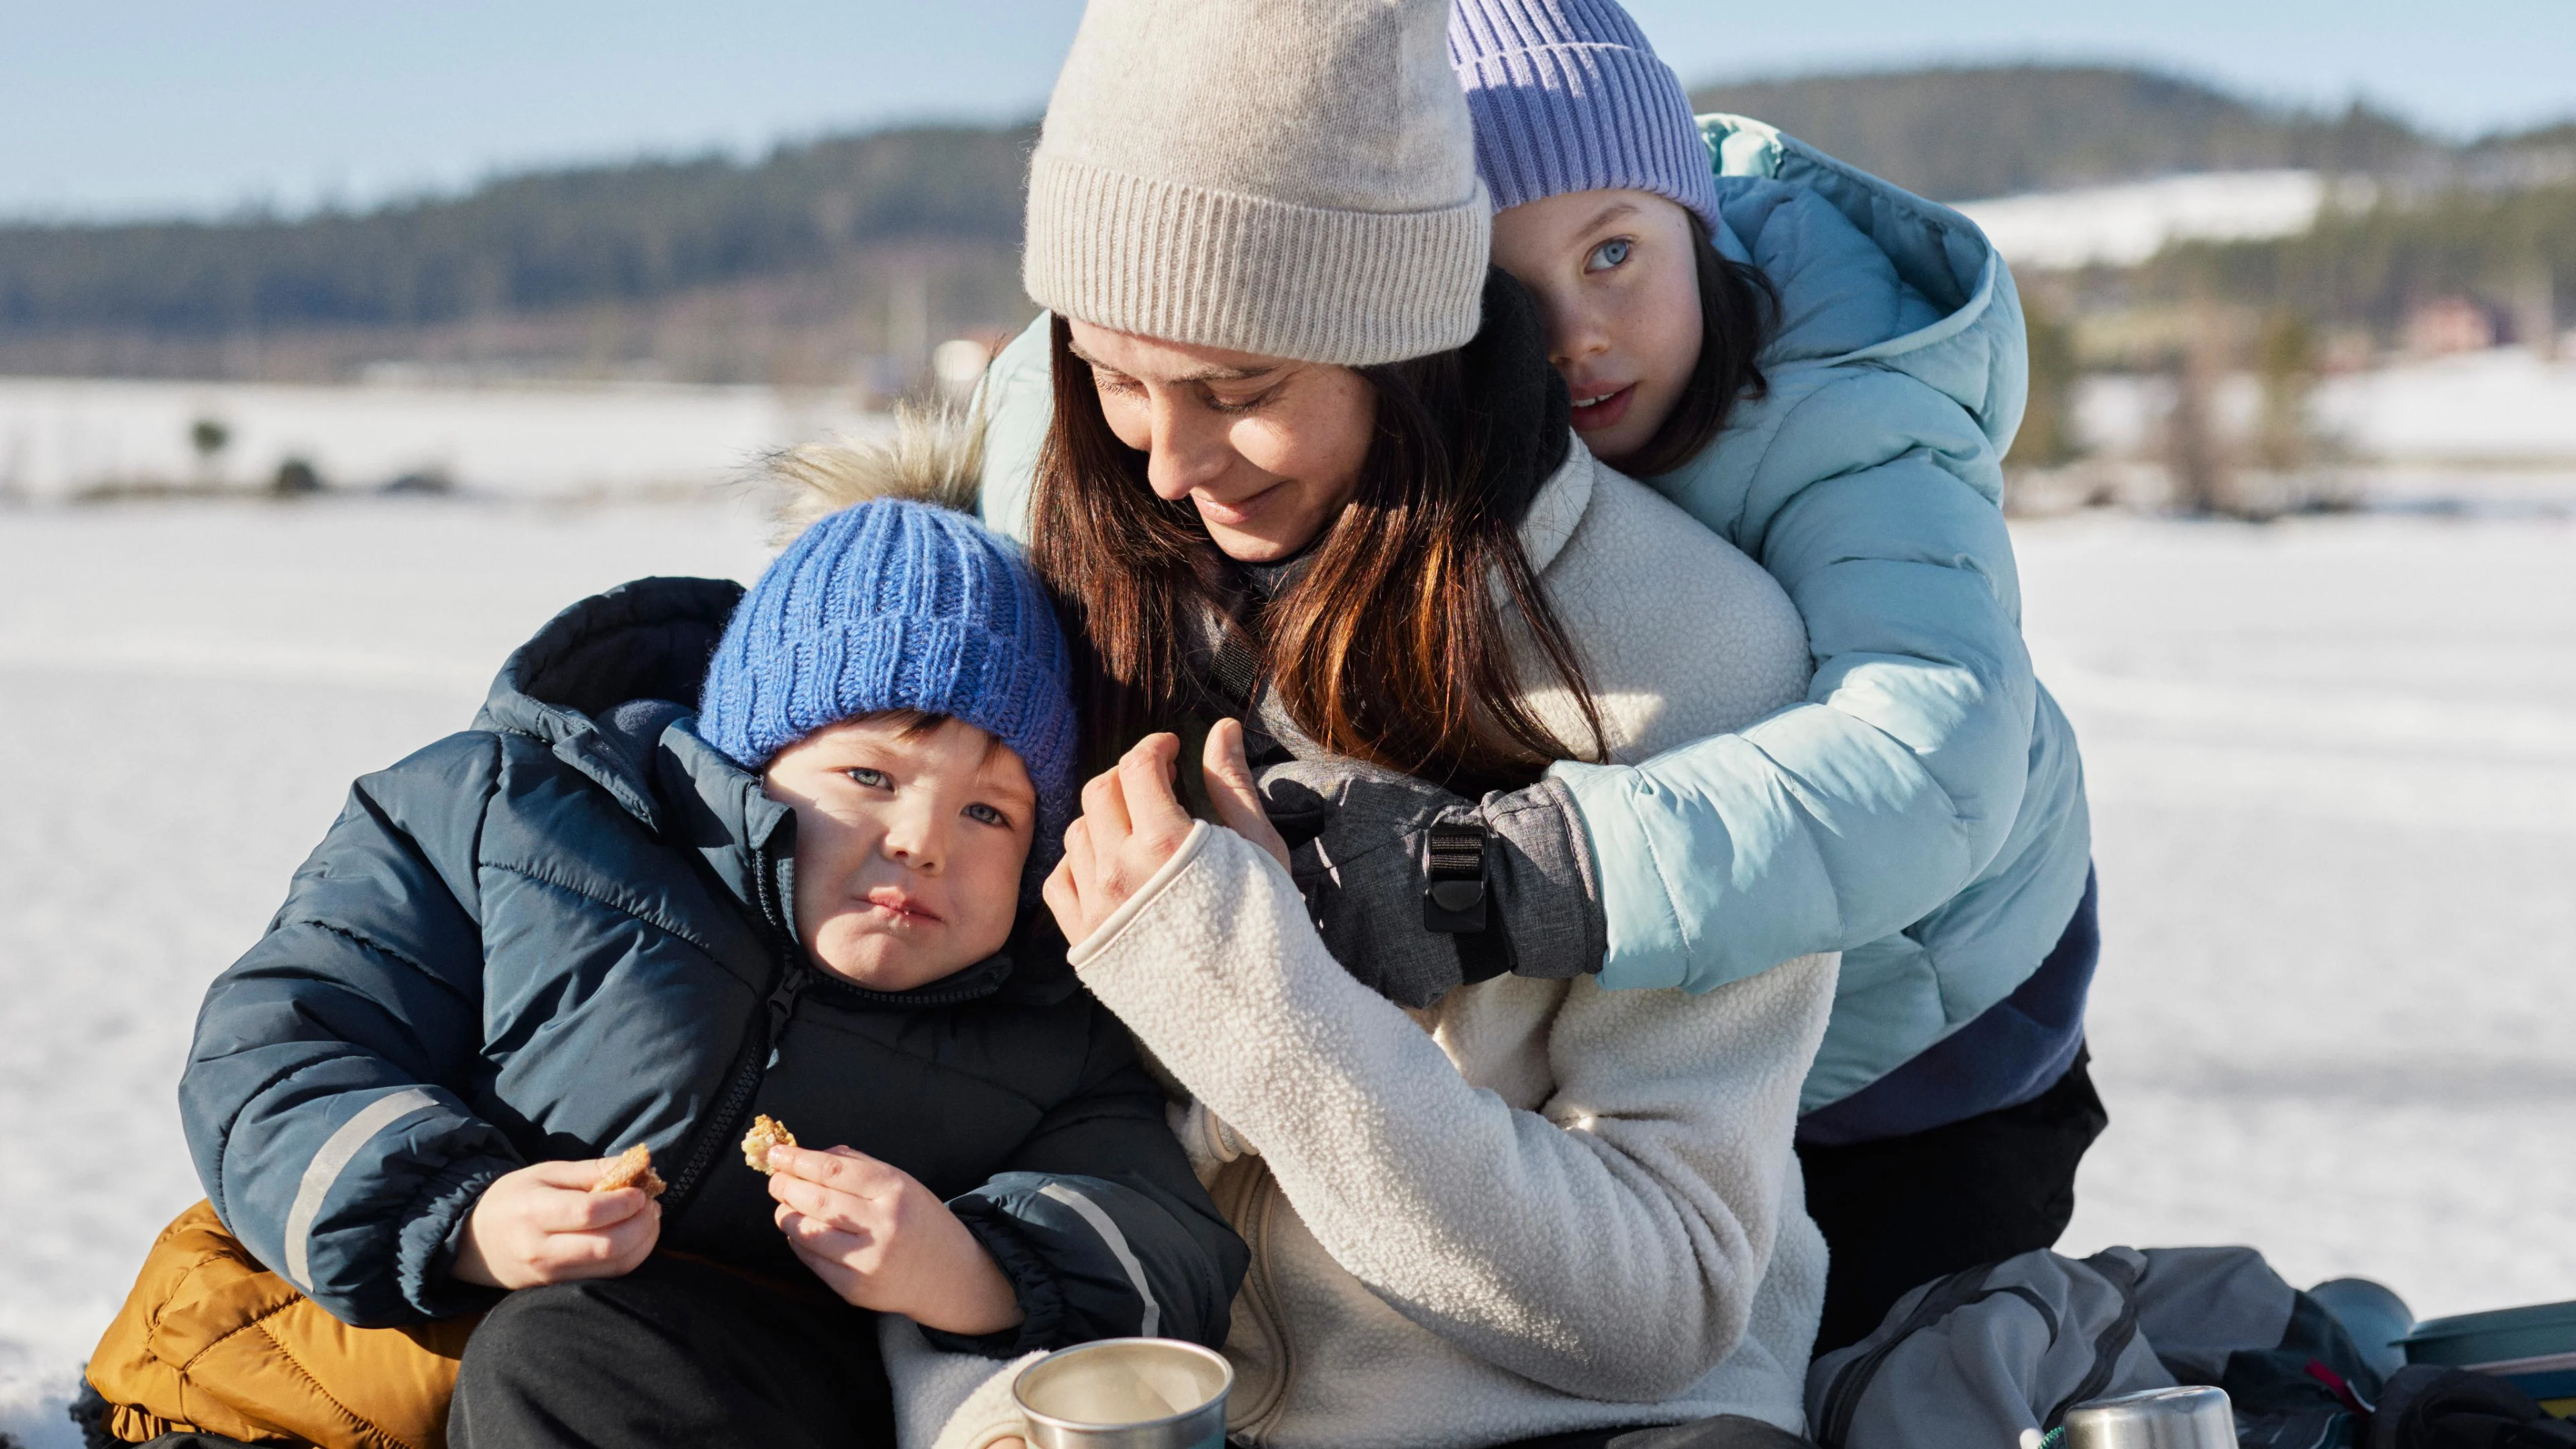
[{"x": 1923, "y": 812}]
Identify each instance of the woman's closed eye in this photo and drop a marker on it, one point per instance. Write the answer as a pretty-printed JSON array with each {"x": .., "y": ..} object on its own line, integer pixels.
[
  {"x": 1220, "y": 403},
  {"x": 1609, "y": 254}
]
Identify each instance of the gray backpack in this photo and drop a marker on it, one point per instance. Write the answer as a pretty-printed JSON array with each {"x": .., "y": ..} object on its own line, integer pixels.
[{"x": 1985, "y": 1356}]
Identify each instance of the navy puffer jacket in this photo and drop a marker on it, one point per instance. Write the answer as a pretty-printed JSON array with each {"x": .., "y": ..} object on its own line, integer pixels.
[{"x": 562, "y": 932}]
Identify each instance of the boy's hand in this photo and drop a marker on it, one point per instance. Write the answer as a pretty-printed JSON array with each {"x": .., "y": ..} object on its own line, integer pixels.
[
  {"x": 881, "y": 1240},
  {"x": 543, "y": 1224}
]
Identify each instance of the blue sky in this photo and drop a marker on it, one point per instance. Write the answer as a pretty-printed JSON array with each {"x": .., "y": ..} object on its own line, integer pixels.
[{"x": 157, "y": 107}]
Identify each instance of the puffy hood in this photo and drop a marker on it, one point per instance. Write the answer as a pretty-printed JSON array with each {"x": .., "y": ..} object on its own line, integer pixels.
[
  {"x": 599, "y": 685},
  {"x": 1871, "y": 273},
  {"x": 643, "y": 641}
]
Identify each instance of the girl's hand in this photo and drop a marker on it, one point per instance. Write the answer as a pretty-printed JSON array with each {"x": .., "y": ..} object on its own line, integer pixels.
[
  {"x": 543, "y": 1224},
  {"x": 881, "y": 1240},
  {"x": 1133, "y": 821}
]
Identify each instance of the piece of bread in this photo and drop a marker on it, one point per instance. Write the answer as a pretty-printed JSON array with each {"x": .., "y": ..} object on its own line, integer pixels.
[
  {"x": 631, "y": 1168},
  {"x": 766, "y": 1132}
]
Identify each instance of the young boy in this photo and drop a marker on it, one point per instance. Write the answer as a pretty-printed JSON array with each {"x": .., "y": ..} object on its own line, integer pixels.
[{"x": 596, "y": 920}]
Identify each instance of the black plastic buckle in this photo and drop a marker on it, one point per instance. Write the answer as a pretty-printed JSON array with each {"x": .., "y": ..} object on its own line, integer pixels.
[{"x": 1453, "y": 895}]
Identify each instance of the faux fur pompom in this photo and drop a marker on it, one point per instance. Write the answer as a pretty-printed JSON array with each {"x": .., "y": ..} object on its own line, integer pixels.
[{"x": 932, "y": 455}]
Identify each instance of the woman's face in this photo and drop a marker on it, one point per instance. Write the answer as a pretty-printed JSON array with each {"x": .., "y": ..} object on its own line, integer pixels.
[
  {"x": 1266, "y": 449},
  {"x": 1617, "y": 281}
]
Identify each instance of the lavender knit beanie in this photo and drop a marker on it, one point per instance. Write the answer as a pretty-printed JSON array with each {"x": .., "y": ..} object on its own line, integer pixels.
[
  {"x": 895, "y": 604},
  {"x": 1568, "y": 96}
]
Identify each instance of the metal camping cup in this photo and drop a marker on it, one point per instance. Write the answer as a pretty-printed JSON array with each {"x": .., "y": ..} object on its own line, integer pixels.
[
  {"x": 2180, "y": 1418},
  {"x": 1126, "y": 1393}
]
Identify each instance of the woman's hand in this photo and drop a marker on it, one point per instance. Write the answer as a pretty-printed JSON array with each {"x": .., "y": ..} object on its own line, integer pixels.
[
  {"x": 1133, "y": 821},
  {"x": 1236, "y": 795},
  {"x": 543, "y": 1224},
  {"x": 881, "y": 1240}
]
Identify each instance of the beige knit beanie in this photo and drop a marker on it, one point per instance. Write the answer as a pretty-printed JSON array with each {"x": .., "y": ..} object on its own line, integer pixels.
[{"x": 1295, "y": 178}]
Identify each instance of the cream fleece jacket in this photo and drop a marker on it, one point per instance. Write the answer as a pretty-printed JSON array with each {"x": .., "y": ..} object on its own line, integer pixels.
[{"x": 1539, "y": 1206}]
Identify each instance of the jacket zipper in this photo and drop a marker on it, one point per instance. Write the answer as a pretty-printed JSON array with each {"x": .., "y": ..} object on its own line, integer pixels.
[
  {"x": 748, "y": 1069},
  {"x": 758, "y": 1050},
  {"x": 1259, "y": 1199}
]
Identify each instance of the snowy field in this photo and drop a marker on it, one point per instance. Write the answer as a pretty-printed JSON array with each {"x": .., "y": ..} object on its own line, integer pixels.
[
  {"x": 59, "y": 436},
  {"x": 2501, "y": 411},
  {"x": 2122, "y": 225},
  {"x": 2333, "y": 764}
]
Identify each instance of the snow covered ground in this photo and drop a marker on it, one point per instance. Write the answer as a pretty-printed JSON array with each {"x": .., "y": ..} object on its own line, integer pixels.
[
  {"x": 2333, "y": 768},
  {"x": 2502, "y": 411},
  {"x": 2333, "y": 763},
  {"x": 59, "y": 436},
  {"x": 2123, "y": 225}
]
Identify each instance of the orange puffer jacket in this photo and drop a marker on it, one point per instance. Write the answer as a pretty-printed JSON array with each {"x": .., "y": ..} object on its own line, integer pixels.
[{"x": 213, "y": 1342}]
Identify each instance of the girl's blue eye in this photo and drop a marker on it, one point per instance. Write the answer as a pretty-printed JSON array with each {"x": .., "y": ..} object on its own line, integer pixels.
[
  {"x": 1607, "y": 255},
  {"x": 873, "y": 779},
  {"x": 988, "y": 815}
]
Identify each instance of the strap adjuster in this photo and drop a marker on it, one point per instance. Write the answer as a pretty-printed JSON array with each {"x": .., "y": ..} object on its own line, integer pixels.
[{"x": 1453, "y": 896}]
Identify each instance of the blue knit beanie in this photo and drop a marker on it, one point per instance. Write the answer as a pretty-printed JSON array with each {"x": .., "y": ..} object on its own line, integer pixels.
[
  {"x": 1568, "y": 96},
  {"x": 894, "y": 604}
]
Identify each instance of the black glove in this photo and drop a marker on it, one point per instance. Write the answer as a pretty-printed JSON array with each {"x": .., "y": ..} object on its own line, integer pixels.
[{"x": 1416, "y": 890}]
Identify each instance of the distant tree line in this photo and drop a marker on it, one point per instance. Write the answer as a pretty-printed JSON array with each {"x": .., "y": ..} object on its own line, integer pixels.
[
  {"x": 1960, "y": 133},
  {"x": 529, "y": 243},
  {"x": 2512, "y": 253},
  {"x": 840, "y": 259}
]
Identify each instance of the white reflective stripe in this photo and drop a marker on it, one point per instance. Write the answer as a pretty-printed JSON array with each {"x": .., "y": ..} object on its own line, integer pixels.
[
  {"x": 326, "y": 1167},
  {"x": 1090, "y": 1212}
]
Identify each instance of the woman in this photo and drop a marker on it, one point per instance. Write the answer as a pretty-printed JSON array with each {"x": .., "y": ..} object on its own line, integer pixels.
[
  {"x": 1924, "y": 809},
  {"x": 1305, "y": 462}
]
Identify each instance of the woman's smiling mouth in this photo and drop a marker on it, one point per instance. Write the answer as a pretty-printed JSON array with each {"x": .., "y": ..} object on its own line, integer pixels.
[{"x": 1233, "y": 514}]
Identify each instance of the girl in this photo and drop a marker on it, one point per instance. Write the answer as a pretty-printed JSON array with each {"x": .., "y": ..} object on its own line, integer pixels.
[{"x": 1923, "y": 810}]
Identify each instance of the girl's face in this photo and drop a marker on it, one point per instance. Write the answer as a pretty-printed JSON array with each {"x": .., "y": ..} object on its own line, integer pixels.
[
  {"x": 1268, "y": 450},
  {"x": 1618, "y": 285}
]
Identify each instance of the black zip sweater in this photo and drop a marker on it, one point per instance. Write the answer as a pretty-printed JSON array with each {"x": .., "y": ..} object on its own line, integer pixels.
[{"x": 565, "y": 931}]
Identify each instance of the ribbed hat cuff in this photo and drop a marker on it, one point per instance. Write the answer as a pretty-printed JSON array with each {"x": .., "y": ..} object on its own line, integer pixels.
[
  {"x": 1580, "y": 117},
  {"x": 1222, "y": 269}
]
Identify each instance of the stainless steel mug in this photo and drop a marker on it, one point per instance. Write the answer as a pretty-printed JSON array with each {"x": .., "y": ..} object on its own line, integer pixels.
[
  {"x": 1126, "y": 1393},
  {"x": 2178, "y": 1418}
]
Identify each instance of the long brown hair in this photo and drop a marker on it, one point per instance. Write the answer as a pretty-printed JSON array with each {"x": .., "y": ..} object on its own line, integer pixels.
[
  {"x": 1737, "y": 308},
  {"x": 1391, "y": 646}
]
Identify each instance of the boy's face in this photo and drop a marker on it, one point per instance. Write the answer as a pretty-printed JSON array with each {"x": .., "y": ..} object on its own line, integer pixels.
[
  {"x": 909, "y": 846},
  {"x": 1616, "y": 275}
]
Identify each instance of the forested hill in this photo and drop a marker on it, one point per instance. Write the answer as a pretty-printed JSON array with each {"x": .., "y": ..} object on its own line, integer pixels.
[
  {"x": 529, "y": 243},
  {"x": 1955, "y": 134},
  {"x": 835, "y": 258}
]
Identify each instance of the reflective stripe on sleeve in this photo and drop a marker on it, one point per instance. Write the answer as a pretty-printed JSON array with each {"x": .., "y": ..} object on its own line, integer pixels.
[
  {"x": 325, "y": 1170},
  {"x": 1102, "y": 1224}
]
